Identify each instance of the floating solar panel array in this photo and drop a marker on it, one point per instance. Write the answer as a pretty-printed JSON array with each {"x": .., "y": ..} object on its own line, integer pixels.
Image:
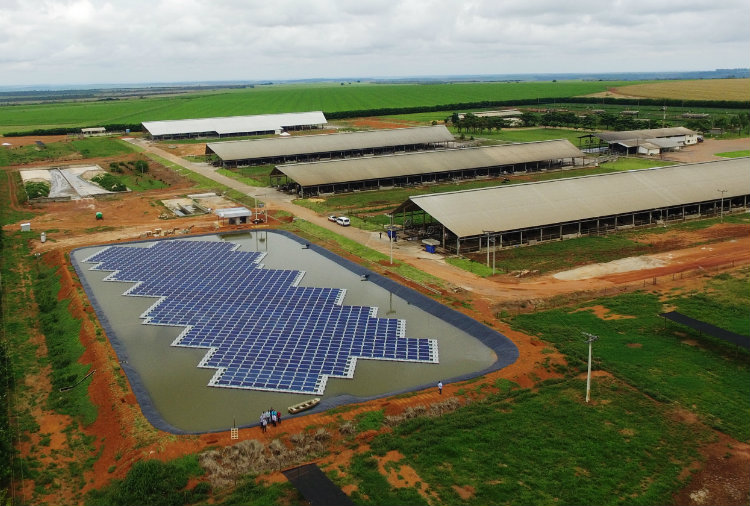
[{"x": 262, "y": 330}]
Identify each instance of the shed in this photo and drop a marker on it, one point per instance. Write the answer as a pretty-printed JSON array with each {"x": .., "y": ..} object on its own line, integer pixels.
[{"x": 234, "y": 215}]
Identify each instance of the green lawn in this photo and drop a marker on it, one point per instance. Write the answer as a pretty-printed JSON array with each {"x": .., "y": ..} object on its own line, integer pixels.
[
  {"x": 706, "y": 376},
  {"x": 735, "y": 154}
]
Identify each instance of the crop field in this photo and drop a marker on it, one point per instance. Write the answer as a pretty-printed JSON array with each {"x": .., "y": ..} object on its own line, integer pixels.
[
  {"x": 703, "y": 89},
  {"x": 281, "y": 98}
]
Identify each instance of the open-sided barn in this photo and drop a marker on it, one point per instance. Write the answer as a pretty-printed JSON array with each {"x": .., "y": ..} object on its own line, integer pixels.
[
  {"x": 375, "y": 172},
  {"x": 234, "y": 126},
  {"x": 306, "y": 148},
  {"x": 589, "y": 205}
]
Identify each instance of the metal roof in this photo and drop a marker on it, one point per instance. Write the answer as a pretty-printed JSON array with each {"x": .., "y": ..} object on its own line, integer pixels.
[
  {"x": 305, "y": 144},
  {"x": 648, "y": 133},
  {"x": 429, "y": 162},
  {"x": 529, "y": 205},
  {"x": 234, "y": 124},
  {"x": 233, "y": 212}
]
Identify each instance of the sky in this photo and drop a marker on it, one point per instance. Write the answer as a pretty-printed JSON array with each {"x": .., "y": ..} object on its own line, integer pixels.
[{"x": 135, "y": 41}]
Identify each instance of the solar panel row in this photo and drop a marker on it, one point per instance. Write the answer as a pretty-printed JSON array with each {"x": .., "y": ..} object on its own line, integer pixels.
[{"x": 261, "y": 330}]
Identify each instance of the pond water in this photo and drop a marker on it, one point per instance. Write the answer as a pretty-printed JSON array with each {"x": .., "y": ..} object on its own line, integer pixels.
[{"x": 174, "y": 393}]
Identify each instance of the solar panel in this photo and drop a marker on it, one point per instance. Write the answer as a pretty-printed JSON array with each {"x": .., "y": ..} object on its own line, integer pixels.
[{"x": 276, "y": 335}]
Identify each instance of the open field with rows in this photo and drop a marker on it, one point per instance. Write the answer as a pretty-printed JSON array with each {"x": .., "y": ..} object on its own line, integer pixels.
[
  {"x": 703, "y": 89},
  {"x": 281, "y": 98}
]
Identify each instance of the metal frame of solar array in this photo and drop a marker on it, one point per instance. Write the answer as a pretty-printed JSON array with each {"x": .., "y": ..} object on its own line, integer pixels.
[{"x": 262, "y": 330}]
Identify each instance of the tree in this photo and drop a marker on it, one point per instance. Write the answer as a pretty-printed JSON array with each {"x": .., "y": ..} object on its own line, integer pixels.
[
  {"x": 529, "y": 119},
  {"x": 141, "y": 166}
]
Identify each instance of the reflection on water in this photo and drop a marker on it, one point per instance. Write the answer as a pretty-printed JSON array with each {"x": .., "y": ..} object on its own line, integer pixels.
[{"x": 178, "y": 388}]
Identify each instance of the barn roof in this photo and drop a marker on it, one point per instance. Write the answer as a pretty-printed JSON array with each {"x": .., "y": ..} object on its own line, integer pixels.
[
  {"x": 407, "y": 164},
  {"x": 234, "y": 124},
  {"x": 305, "y": 144},
  {"x": 649, "y": 133},
  {"x": 529, "y": 205}
]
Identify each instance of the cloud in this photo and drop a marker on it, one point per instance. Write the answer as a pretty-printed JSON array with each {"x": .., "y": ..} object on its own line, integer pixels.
[{"x": 78, "y": 41}]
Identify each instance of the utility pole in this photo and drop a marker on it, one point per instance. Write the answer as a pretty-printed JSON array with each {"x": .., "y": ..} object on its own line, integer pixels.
[
  {"x": 488, "y": 232},
  {"x": 722, "y": 204},
  {"x": 590, "y": 340},
  {"x": 390, "y": 236}
]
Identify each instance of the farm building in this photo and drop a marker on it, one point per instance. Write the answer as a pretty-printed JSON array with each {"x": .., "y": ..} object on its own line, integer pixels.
[
  {"x": 307, "y": 148},
  {"x": 652, "y": 141},
  {"x": 374, "y": 172},
  {"x": 529, "y": 213},
  {"x": 234, "y": 126}
]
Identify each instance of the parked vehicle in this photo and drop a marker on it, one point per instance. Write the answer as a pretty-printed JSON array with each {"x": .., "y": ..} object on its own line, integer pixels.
[
  {"x": 343, "y": 221},
  {"x": 332, "y": 218}
]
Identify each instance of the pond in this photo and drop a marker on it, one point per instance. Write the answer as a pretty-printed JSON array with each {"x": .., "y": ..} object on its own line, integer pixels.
[{"x": 174, "y": 392}]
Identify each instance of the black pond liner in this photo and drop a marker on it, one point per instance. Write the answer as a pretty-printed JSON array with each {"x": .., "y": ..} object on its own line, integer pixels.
[{"x": 505, "y": 350}]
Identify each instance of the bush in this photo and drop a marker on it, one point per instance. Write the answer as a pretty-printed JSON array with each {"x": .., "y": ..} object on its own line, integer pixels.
[
  {"x": 109, "y": 182},
  {"x": 141, "y": 166},
  {"x": 36, "y": 189},
  {"x": 154, "y": 483}
]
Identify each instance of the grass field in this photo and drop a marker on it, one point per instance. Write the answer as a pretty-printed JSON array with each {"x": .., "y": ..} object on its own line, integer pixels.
[
  {"x": 735, "y": 154},
  {"x": 282, "y": 98},
  {"x": 702, "y": 89},
  {"x": 705, "y": 375},
  {"x": 535, "y": 447},
  {"x": 98, "y": 147}
]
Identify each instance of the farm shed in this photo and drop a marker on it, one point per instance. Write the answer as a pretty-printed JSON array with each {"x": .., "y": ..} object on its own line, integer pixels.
[
  {"x": 529, "y": 213},
  {"x": 234, "y": 215},
  {"x": 233, "y": 126},
  {"x": 94, "y": 131},
  {"x": 307, "y": 148},
  {"x": 635, "y": 141},
  {"x": 374, "y": 172}
]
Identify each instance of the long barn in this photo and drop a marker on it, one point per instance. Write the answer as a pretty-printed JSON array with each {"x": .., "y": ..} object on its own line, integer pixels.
[
  {"x": 307, "y": 148},
  {"x": 234, "y": 126},
  {"x": 523, "y": 214},
  {"x": 374, "y": 172}
]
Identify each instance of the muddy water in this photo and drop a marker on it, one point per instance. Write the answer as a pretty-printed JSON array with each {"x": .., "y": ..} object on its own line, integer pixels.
[{"x": 178, "y": 389}]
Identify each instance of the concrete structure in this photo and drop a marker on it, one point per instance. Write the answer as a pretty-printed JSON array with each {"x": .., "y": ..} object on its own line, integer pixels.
[
  {"x": 375, "y": 172},
  {"x": 565, "y": 208},
  {"x": 234, "y": 126},
  {"x": 308, "y": 148}
]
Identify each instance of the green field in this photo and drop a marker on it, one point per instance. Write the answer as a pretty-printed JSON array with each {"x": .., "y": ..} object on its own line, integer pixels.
[
  {"x": 668, "y": 362},
  {"x": 98, "y": 147},
  {"x": 281, "y": 98},
  {"x": 535, "y": 447}
]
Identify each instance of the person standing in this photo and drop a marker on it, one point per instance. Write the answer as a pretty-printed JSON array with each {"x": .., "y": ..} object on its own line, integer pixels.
[
  {"x": 440, "y": 387},
  {"x": 263, "y": 423}
]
